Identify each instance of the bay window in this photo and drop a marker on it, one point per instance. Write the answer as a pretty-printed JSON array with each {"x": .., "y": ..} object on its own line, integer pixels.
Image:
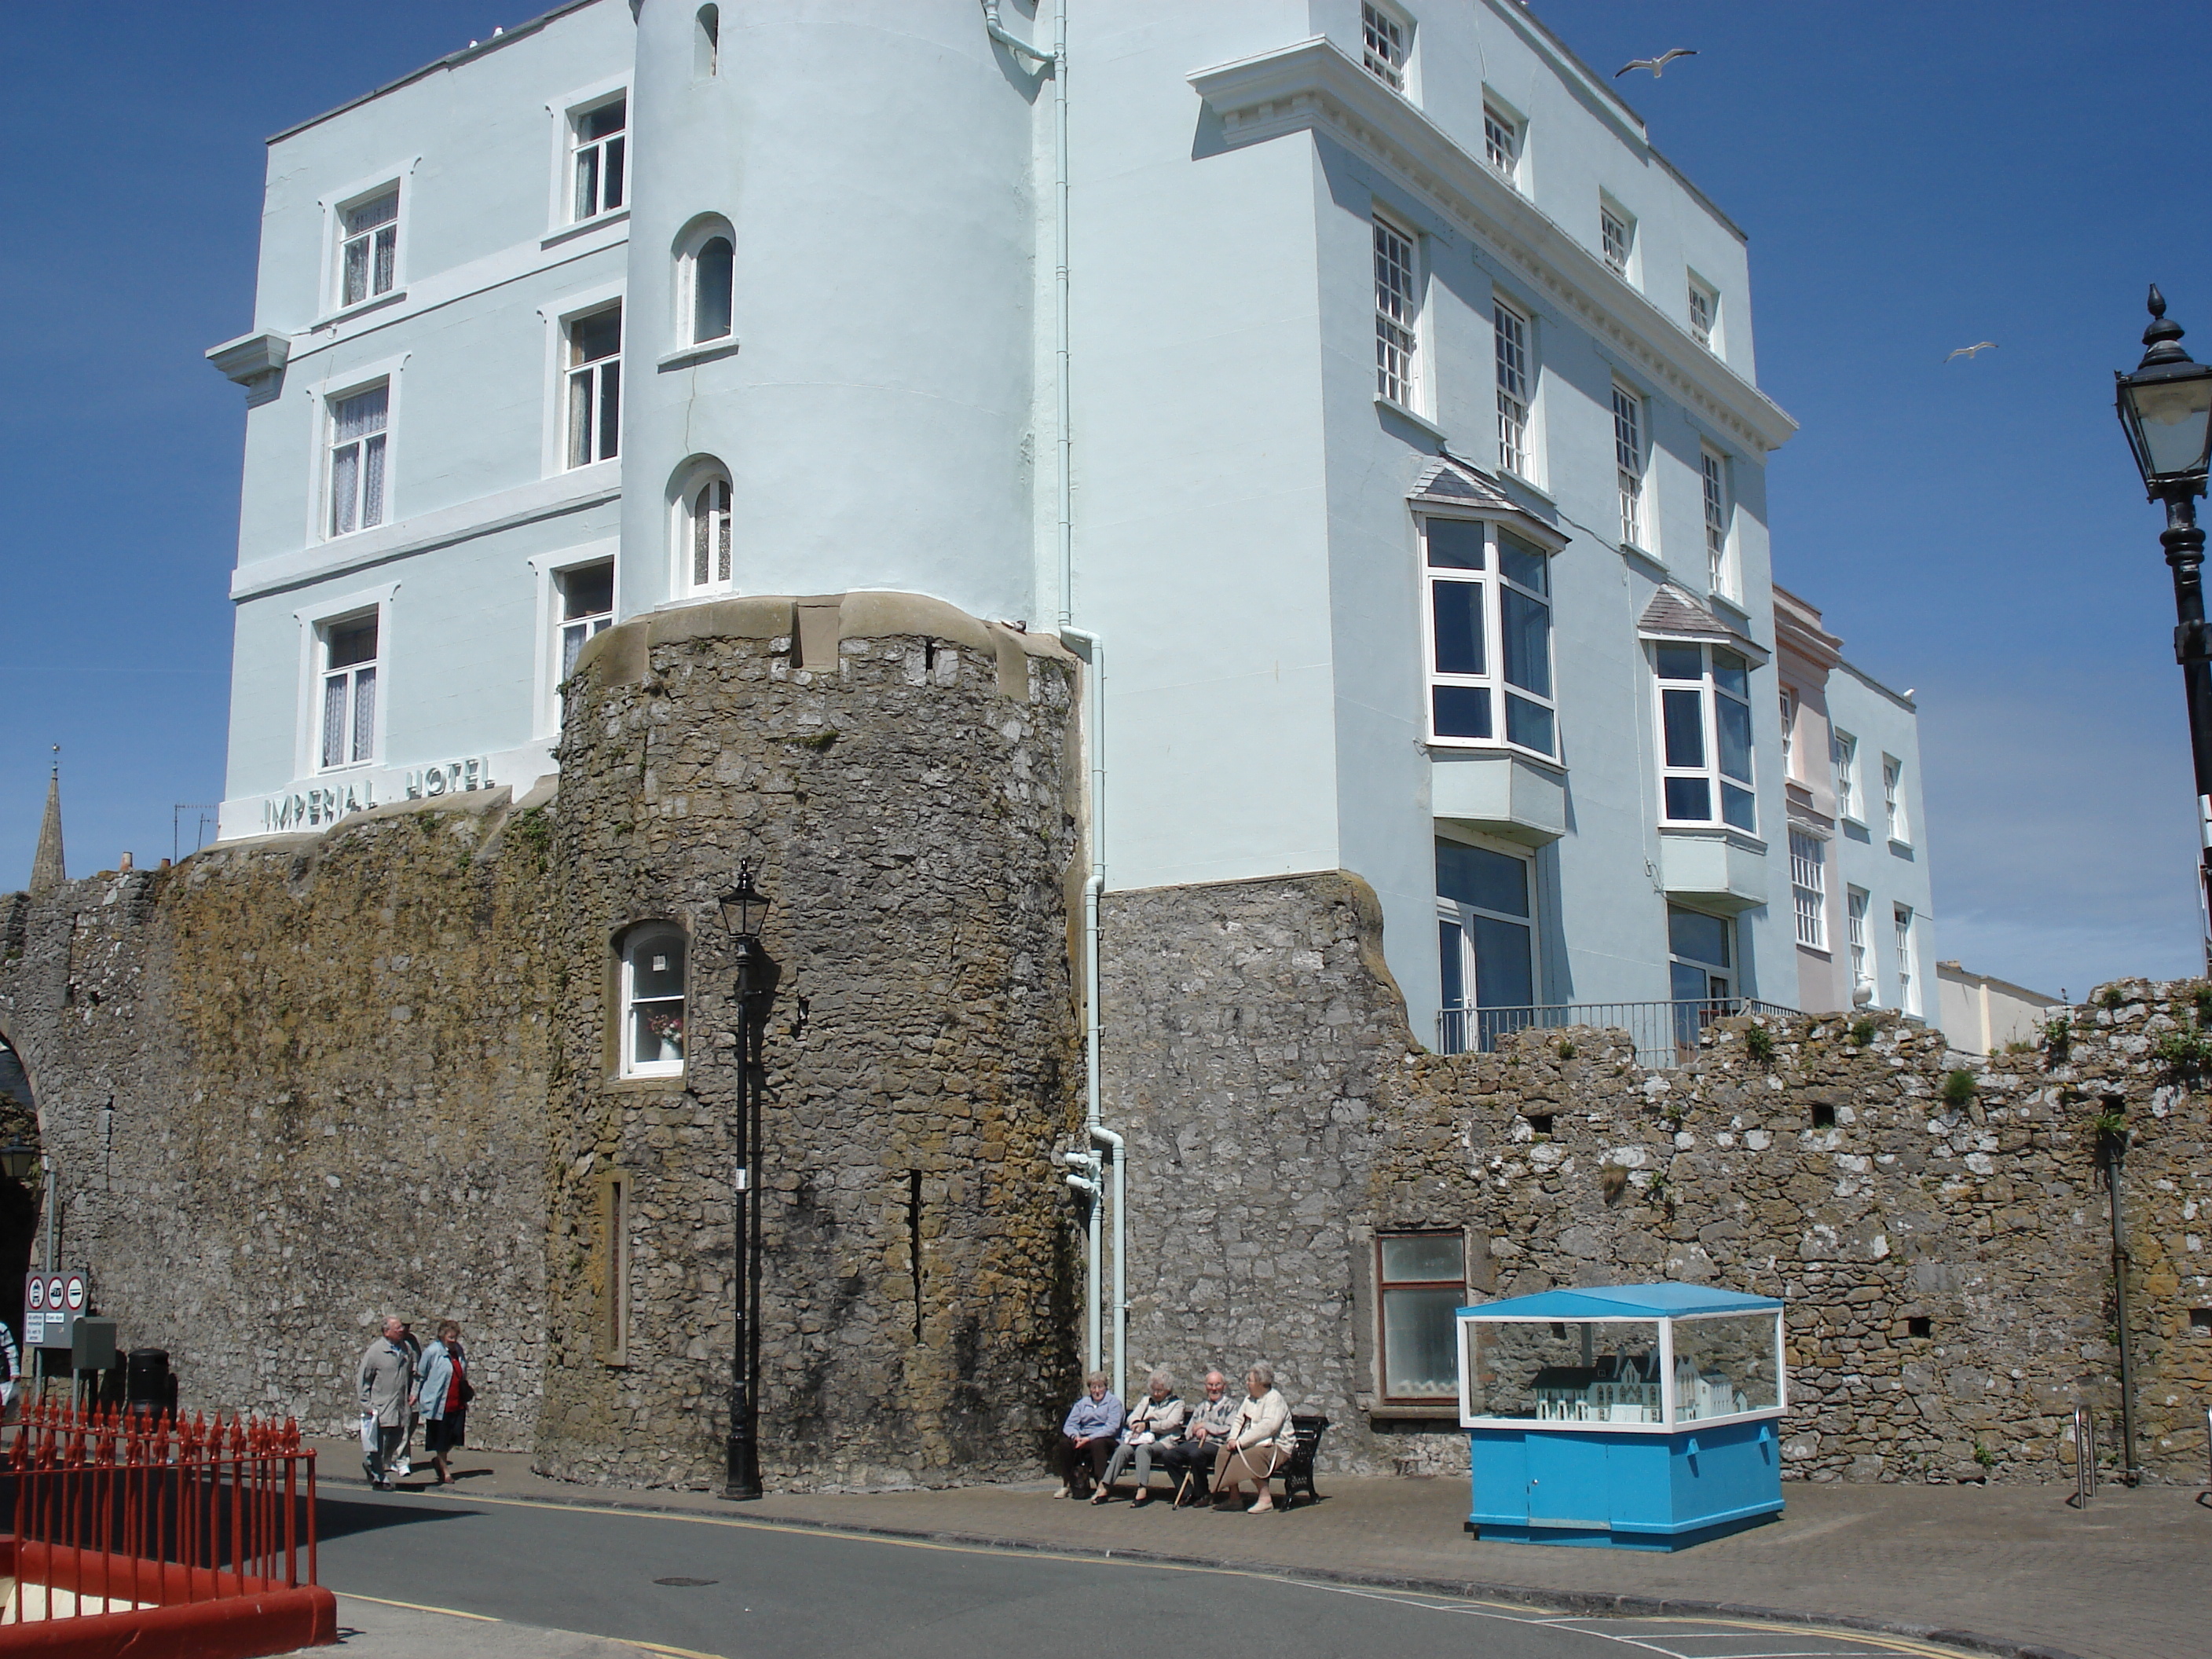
[
  {"x": 1705, "y": 735},
  {"x": 1489, "y": 637}
]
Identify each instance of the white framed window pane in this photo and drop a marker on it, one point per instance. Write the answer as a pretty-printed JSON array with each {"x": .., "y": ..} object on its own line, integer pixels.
[
  {"x": 1451, "y": 963},
  {"x": 1683, "y": 719},
  {"x": 1460, "y": 711},
  {"x": 1732, "y": 729},
  {"x": 1808, "y": 881},
  {"x": 1701, "y": 316},
  {"x": 713, "y": 277},
  {"x": 1455, "y": 544},
  {"x": 334, "y": 721},
  {"x": 1511, "y": 333},
  {"x": 345, "y": 488},
  {"x": 1501, "y": 145},
  {"x": 1384, "y": 41},
  {"x": 1628, "y": 460},
  {"x": 1527, "y": 639},
  {"x": 364, "y": 713},
  {"x": 1456, "y": 615},
  {"x": 1612, "y": 235},
  {"x": 1505, "y": 964},
  {"x": 1481, "y": 880},
  {"x": 372, "y": 481},
  {"x": 1396, "y": 313}
]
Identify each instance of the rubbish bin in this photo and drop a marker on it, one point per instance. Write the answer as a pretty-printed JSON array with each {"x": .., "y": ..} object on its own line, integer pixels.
[{"x": 147, "y": 1384}]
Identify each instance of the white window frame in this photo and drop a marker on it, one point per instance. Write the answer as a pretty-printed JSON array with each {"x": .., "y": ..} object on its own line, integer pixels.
[
  {"x": 1505, "y": 141},
  {"x": 637, "y": 943},
  {"x": 1856, "y": 902},
  {"x": 583, "y": 386},
  {"x": 374, "y": 450},
  {"x": 1893, "y": 800},
  {"x": 549, "y": 568},
  {"x": 614, "y": 145},
  {"x": 1710, "y": 694},
  {"x": 1706, "y": 333},
  {"x": 1513, "y": 350},
  {"x": 334, "y": 207},
  {"x": 387, "y": 231},
  {"x": 562, "y": 114},
  {"x": 1809, "y": 887},
  {"x": 353, "y": 683},
  {"x": 1719, "y": 502},
  {"x": 1616, "y": 241},
  {"x": 1908, "y": 979},
  {"x": 1631, "y": 451},
  {"x": 314, "y": 621},
  {"x": 1399, "y": 285},
  {"x": 1843, "y": 755},
  {"x": 1386, "y": 39},
  {"x": 684, "y": 530},
  {"x": 1467, "y": 1031},
  {"x": 1493, "y": 583},
  {"x": 1789, "y": 706},
  {"x": 694, "y": 243}
]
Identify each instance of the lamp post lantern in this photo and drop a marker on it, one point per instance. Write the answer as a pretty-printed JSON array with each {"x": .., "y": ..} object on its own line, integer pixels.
[
  {"x": 744, "y": 909},
  {"x": 2166, "y": 408}
]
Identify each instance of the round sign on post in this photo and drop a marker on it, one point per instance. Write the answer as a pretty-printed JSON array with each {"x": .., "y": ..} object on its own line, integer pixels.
[
  {"x": 38, "y": 1293},
  {"x": 54, "y": 1292},
  {"x": 75, "y": 1293}
]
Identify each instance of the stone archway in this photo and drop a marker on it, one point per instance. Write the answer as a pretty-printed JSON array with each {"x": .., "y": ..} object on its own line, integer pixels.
[{"x": 19, "y": 1199}]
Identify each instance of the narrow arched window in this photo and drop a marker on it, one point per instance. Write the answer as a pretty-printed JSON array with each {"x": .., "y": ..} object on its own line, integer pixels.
[
  {"x": 706, "y": 45},
  {"x": 713, "y": 275},
  {"x": 710, "y": 535},
  {"x": 653, "y": 986}
]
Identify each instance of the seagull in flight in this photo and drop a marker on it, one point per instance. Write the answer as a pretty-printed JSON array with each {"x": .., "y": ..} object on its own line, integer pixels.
[
  {"x": 1656, "y": 65},
  {"x": 1972, "y": 350}
]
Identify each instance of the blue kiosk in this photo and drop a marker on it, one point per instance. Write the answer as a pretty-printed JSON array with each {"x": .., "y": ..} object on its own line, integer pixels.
[{"x": 1631, "y": 1416}]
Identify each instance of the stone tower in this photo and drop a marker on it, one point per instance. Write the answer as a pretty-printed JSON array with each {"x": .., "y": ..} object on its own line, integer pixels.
[{"x": 46, "y": 869}]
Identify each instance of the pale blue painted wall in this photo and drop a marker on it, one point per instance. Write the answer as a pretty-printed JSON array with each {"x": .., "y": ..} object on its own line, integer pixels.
[{"x": 1241, "y": 537}]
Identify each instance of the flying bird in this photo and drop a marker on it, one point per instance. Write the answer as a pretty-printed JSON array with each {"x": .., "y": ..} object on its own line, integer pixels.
[
  {"x": 1656, "y": 65},
  {"x": 1969, "y": 351}
]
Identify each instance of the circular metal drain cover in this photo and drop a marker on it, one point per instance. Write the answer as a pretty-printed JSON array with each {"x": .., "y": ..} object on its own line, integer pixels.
[{"x": 687, "y": 1583}]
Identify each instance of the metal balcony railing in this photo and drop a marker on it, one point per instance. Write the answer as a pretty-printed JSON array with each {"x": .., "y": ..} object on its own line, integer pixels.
[{"x": 1666, "y": 1034}]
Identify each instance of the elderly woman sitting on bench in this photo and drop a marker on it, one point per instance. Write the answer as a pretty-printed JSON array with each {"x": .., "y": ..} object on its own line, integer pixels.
[
  {"x": 1155, "y": 1425},
  {"x": 1260, "y": 1443}
]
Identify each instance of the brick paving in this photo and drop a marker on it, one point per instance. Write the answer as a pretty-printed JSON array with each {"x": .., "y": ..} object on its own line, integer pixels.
[{"x": 2008, "y": 1569}]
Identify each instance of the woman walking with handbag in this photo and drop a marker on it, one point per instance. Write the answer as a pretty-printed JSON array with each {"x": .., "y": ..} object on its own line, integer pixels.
[{"x": 443, "y": 1398}]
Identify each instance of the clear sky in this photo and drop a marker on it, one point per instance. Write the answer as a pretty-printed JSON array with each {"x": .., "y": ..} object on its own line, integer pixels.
[{"x": 1912, "y": 178}]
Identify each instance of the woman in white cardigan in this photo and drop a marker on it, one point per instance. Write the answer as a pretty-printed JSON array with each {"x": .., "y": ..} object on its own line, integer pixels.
[{"x": 1259, "y": 1444}]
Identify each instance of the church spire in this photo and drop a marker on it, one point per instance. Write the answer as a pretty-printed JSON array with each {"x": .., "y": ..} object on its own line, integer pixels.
[{"x": 46, "y": 869}]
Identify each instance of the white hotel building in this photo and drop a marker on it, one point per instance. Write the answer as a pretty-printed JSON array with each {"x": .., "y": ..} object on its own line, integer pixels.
[{"x": 1395, "y": 431}]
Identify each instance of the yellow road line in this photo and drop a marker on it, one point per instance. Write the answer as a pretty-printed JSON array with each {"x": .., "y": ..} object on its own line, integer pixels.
[
  {"x": 1873, "y": 1639},
  {"x": 418, "y": 1607},
  {"x": 662, "y": 1647}
]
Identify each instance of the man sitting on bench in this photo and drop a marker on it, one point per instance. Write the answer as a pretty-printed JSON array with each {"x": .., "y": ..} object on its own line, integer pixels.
[{"x": 1190, "y": 1460}]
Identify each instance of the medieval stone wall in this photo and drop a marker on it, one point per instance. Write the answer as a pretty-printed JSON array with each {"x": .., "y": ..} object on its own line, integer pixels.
[
  {"x": 896, "y": 773},
  {"x": 294, "y": 1085},
  {"x": 1279, "y": 1117}
]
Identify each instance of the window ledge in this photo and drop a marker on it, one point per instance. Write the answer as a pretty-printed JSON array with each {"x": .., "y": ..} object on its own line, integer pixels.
[
  {"x": 1385, "y": 1410},
  {"x": 671, "y": 1080},
  {"x": 1730, "y": 601},
  {"x": 1530, "y": 485},
  {"x": 1409, "y": 416},
  {"x": 1734, "y": 837},
  {"x": 1854, "y": 820},
  {"x": 1463, "y": 748},
  {"x": 705, "y": 352},
  {"x": 584, "y": 227},
  {"x": 1902, "y": 849},
  {"x": 332, "y": 319}
]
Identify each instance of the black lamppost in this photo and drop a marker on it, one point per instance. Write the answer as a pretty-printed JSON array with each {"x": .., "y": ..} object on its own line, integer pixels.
[
  {"x": 2166, "y": 406},
  {"x": 743, "y": 908}
]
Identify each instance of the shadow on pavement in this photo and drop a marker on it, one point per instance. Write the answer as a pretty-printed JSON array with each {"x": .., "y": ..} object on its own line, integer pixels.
[{"x": 340, "y": 1517}]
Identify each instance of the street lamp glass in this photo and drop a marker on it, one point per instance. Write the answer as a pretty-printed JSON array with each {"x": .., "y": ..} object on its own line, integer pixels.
[
  {"x": 18, "y": 1160},
  {"x": 2169, "y": 418},
  {"x": 744, "y": 907}
]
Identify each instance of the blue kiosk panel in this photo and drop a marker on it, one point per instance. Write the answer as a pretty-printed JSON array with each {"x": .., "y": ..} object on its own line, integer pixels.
[{"x": 1631, "y": 1417}]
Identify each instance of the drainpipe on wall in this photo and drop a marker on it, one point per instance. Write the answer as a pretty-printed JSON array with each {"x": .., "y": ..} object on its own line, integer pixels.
[
  {"x": 2115, "y": 1144},
  {"x": 1093, "y": 650}
]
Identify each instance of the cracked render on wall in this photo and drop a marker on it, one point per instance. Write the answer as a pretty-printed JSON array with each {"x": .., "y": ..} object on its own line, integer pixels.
[{"x": 1937, "y": 1221}]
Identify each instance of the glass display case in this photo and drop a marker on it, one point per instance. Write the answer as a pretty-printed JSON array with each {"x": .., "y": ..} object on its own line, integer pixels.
[{"x": 1636, "y": 1415}]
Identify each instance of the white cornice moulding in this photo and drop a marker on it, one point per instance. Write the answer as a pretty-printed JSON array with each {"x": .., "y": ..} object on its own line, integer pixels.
[
  {"x": 545, "y": 498},
  {"x": 1314, "y": 85}
]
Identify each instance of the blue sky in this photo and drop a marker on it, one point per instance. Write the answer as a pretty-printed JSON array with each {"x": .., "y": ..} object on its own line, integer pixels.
[{"x": 1912, "y": 178}]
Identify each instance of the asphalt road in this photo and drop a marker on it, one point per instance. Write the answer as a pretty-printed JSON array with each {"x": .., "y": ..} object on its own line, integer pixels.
[{"x": 793, "y": 1593}]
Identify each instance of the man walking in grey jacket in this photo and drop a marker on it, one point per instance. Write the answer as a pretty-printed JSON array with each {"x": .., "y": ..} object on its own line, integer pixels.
[{"x": 387, "y": 1379}]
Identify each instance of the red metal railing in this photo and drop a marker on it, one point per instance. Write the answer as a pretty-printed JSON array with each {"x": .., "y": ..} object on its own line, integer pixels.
[{"x": 147, "y": 1511}]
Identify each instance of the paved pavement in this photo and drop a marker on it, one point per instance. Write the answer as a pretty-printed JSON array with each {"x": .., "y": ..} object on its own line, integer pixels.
[{"x": 1999, "y": 1569}]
